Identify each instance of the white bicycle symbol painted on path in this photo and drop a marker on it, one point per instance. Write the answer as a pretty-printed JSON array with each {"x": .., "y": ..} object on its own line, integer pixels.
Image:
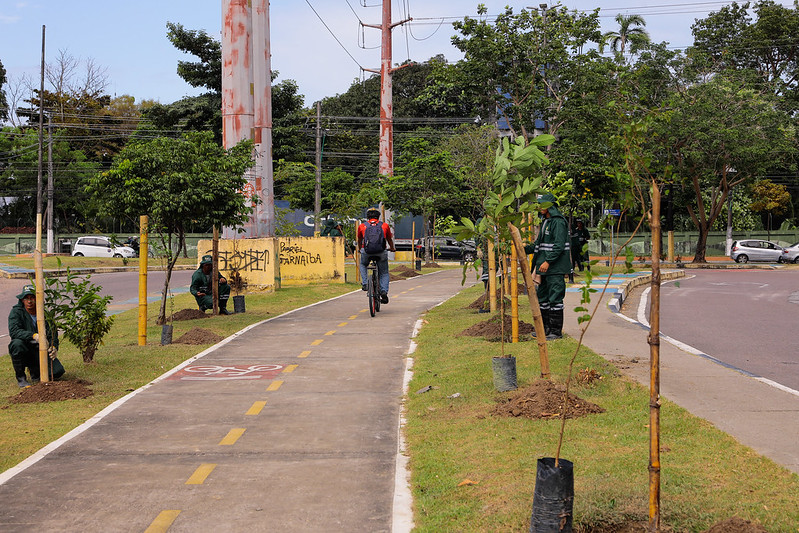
[{"x": 219, "y": 373}]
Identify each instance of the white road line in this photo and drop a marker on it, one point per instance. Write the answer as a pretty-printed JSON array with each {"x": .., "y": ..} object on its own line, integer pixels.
[{"x": 642, "y": 320}]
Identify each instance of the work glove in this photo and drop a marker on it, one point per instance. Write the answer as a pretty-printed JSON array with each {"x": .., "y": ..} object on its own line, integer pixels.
[
  {"x": 52, "y": 352},
  {"x": 35, "y": 339}
]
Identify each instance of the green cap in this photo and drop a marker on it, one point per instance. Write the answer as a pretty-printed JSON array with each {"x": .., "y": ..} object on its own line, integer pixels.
[
  {"x": 26, "y": 290},
  {"x": 206, "y": 260}
]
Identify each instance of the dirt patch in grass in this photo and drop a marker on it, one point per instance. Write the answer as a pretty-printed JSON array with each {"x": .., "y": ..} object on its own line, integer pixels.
[
  {"x": 736, "y": 525},
  {"x": 188, "y": 314},
  {"x": 482, "y": 301},
  {"x": 53, "y": 391},
  {"x": 431, "y": 264},
  {"x": 402, "y": 272},
  {"x": 731, "y": 525},
  {"x": 544, "y": 399},
  {"x": 199, "y": 336},
  {"x": 491, "y": 329}
]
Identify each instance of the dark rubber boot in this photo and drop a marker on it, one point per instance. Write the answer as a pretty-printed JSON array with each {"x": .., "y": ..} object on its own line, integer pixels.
[
  {"x": 555, "y": 325},
  {"x": 545, "y": 319}
]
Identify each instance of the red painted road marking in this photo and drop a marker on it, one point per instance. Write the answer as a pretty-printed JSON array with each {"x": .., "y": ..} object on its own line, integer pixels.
[{"x": 226, "y": 373}]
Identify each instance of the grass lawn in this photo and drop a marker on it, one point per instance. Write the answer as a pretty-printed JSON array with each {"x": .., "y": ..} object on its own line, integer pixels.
[
  {"x": 706, "y": 475},
  {"x": 51, "y": 262}
]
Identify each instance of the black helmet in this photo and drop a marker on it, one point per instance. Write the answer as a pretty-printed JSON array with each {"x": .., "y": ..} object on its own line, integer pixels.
[{"x": 372, "y": 212}]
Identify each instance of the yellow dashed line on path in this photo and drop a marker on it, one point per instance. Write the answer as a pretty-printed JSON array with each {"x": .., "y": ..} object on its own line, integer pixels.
[
  {"x": 412, "y": 288},
  {"x": 290, "y": 368},
  {"x": 274, "y": 386},
  {"x": 306, "y": 353},
  {"x": 331, "y": 332},
  {"x": 342, "y": 324},
  {"x": 162, "y": 521},
  {"x": 202, "y": 472},
  {"x": 353, "y": 317},
  {"x": 232, "y": 436},
  {"x": 317, "y": 342},
  {"x": 403, "y": 292},
  {"x": 256, "y": 408},
  {"x": 363, "y": 310}
]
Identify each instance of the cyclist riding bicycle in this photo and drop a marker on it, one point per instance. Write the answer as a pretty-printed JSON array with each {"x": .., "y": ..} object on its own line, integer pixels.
[{"x": 372, "y": 244}]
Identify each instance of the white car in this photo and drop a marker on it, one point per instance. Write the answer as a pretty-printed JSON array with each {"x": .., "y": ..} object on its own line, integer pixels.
[
  {"x": 99, "y": 246},
  {"x": 791, "y": 254}
]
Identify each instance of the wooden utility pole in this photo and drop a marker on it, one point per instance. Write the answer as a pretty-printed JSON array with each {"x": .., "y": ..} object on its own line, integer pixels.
[
  {"x": 44, "y": 373},
  {"x": 317, "y": 206}
]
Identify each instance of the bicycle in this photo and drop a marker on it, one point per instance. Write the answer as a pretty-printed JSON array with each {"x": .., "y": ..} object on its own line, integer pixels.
[{"x": 373, "y": 287}]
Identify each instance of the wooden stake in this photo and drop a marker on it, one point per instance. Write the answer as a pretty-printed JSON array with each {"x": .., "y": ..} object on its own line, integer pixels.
[
  {"x": 215, "y": 270},
  {"x": 654, "y": 368}
]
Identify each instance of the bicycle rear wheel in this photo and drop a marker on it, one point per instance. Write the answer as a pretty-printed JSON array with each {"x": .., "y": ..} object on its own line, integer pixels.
[
  {"x": 370, "y": 294},
  {"x": 376, "y": 291}
]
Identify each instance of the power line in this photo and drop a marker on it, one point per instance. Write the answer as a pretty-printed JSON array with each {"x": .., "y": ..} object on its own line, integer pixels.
[{"x": 333, "y": 34}]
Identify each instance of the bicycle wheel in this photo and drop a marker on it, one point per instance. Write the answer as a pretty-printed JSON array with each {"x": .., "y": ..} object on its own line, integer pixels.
[
  {"x": 370, "y": 294},
  {"x": 376, "y": 291}
]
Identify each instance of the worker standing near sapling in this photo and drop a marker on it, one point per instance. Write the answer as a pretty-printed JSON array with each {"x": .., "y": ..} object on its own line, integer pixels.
[{"x": 552, "y": 261}]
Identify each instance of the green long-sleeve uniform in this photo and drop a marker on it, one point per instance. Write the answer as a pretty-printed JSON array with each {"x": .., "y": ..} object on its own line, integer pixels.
[
  {"x": 23, "y": 351},
  {"x": 200, "y": 282}
]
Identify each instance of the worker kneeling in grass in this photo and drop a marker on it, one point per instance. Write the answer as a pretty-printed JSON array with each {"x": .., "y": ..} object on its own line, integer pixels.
[
  {"x": 202, "y": 289},
  {"x": 24, "y": 346}
]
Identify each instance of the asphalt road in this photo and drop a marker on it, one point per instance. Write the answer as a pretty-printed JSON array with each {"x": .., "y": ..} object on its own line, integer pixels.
[
  {"x": 745, "y": 318},
  {"x": 123, "y": 286}
]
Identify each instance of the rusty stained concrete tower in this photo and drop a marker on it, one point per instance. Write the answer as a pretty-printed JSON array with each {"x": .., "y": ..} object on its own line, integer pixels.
[
  {"x": 386, "y": 161},
  {"x": 247, "y": 103}
]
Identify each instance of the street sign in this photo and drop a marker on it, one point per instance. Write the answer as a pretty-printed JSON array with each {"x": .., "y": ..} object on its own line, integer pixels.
[{"x": 612, "y": 212}]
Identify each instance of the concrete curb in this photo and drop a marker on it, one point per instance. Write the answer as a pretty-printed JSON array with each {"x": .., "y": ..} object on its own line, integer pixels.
[
  {"x": 25, "y": 273},
  {"x": 615, "y": 302}
]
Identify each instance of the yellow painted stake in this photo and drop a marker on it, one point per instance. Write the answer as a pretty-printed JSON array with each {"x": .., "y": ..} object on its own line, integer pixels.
[
  {"x": 357, "y": 256},
  {"x": 413, "y": 245},
  {"x": 143, "y": 255}
]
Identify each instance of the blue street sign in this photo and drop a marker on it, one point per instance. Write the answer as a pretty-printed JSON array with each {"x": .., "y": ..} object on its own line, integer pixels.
[{"x": 612, "y": 212}]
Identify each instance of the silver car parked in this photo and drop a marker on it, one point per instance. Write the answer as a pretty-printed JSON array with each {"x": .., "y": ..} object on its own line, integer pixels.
[
  {"x": 791, "y": 254},
  {"x": 756, "y": 250}
]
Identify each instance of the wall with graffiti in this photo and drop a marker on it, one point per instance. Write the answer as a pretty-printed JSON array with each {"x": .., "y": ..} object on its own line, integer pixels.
[
  {"x": 311, "y": 259},
  {"x": 266, "y": 264},
  {"x": 255, "y": 261}
]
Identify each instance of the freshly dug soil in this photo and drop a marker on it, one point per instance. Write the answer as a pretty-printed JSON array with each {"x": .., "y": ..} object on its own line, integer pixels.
[
  {"x": 402, "y": 272},
  {"x": 491, "y": 329},
  {"x": 731, "y": 525},
  {"x": 544, "y": 399},
  {"x": 188, "y": 314},
  {"x": 482, "y": 301},
  {"x": 53, "y": 391},
  {"x": 432, "y": 264},
  {"x": 199, "y": 336},
  {"x": 736, "y": 525}
]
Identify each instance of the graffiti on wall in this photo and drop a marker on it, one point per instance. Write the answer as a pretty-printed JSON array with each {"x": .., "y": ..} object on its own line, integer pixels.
[
  {"x": 251, "y": 260},
  {"x": 296, "y": 255}
]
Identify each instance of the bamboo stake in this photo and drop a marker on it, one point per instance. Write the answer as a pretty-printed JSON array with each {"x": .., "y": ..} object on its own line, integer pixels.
[
  {"x": 538, "y": 321},
  {"x": 514, "y": 295},
  {"x": 215, "y": 271},
  {"x": 413, "y": 245},
  {"x": 357, "y": 256},
  {"x": 654, "y": 368},
  {"x": 492, "y": 278}
]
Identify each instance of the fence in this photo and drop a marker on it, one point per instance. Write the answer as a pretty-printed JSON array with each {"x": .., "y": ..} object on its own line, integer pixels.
[
  {"x": 685, "y": 242},
  {"x": 12, "y": 244}
]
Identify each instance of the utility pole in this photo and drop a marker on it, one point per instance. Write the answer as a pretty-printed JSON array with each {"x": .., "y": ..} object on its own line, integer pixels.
[
  {"x": 50, "y": 244},
  {"x": 44, "y": 367},
  {"x": 386, "y": 164},
  {"x": 318, "y": 196}
]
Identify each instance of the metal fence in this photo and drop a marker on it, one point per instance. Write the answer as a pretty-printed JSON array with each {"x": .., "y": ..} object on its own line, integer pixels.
[
  {"x": 685, "y": 242},
  {"x": 13, "y": 244}
]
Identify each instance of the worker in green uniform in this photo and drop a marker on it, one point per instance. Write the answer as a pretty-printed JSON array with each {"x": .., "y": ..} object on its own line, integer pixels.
[
  {"x": 552, "y": 261},
  {"x": 24, "y": 345},
  {"x": 202, "y": 290}
]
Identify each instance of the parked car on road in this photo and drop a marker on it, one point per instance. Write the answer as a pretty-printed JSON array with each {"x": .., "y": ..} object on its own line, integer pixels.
[
  {"x": 447, "y": 248},
  {"x": 756, "y": 250},
  {"x": 100, "y": 246},
  {"x": 791, "y": 254}
]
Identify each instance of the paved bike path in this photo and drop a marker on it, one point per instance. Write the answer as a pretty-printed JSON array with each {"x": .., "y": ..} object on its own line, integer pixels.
[{"x": 300, "y": 433}]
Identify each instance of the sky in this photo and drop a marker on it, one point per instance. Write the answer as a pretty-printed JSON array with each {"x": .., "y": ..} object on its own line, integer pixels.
[{"x": 317, "y": 43}]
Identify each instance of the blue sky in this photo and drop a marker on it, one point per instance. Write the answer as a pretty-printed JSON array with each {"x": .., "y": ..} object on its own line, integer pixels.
[{"x": 129, "y": 37}]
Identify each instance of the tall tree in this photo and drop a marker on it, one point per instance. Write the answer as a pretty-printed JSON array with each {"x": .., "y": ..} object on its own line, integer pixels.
[
  {"x": 767, "y": 47},
  {"x": 3, "y": 102},
  {"x": 174, "y": 182},
  {"x": 718, "y": 135},
  {"x": 631, "y": 32}
]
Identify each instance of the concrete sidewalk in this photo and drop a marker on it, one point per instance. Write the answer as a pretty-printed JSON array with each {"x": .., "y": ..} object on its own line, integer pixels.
[
  {"x": 291, "y": 425},
  {"x": 755, "y": 412}
]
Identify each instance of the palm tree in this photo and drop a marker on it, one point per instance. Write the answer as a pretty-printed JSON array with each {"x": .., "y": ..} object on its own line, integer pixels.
[{"x": 631, "y": 30}]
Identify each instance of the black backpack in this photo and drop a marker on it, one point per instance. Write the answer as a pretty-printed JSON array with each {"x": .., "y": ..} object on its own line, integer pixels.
[{"x": 374, "y": 240}]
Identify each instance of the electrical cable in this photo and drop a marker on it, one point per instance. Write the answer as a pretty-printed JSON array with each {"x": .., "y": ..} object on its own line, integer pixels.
[{"x": 333, "y": 34}]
